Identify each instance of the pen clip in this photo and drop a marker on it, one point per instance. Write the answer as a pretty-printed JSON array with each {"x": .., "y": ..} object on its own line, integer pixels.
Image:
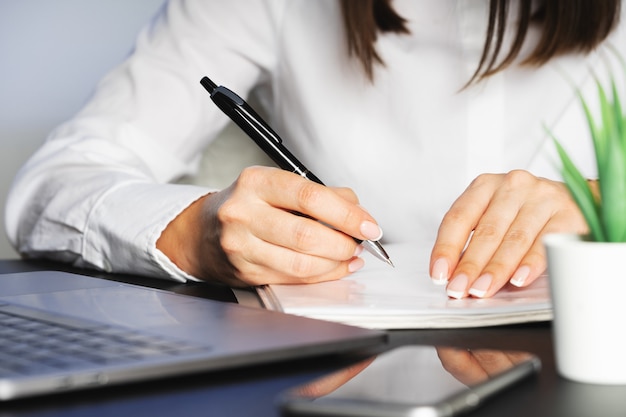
[
  {"x": 230, "y": 102},
  {"x": 259, "y": 131}
]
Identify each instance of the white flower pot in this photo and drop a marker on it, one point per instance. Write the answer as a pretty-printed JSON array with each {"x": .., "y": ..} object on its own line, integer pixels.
[{"x": 588, "y": 286}]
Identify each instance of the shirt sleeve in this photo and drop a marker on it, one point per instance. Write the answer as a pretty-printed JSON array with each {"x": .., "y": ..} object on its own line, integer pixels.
[{"x": 101, "y": 189}]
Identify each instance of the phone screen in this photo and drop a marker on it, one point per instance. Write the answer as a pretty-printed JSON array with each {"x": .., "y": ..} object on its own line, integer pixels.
[{"x": 412, "y": 380}]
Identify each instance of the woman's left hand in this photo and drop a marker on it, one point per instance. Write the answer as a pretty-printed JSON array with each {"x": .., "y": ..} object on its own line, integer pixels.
[
  {"x": 474, "y": 366},
  {"x": 492, "y": 233}
]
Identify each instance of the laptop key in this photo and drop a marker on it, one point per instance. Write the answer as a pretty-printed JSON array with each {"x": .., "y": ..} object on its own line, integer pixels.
[
  {"x": 41, "y": 316},
  {"x": 37, "y": 342}
]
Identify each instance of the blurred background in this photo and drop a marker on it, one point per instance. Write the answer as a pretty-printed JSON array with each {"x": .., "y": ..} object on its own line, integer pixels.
[{"x": 52, "y": 54}]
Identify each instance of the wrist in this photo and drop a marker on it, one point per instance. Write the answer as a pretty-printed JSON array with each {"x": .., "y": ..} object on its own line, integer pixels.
[{"x": 181, "y": 239}]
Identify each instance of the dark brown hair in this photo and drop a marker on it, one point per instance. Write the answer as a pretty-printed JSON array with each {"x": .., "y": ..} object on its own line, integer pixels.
[{"x": 567, "y": 26}]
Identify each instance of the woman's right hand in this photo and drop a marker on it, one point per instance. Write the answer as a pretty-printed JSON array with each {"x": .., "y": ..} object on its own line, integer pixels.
[{"x": 247, "y": 233}]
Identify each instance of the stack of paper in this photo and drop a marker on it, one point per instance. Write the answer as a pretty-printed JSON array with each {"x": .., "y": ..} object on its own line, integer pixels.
[{"x": 404, "y": 297}]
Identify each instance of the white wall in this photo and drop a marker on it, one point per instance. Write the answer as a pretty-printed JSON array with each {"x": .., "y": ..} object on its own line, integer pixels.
[{"x": 52, "y": 52}]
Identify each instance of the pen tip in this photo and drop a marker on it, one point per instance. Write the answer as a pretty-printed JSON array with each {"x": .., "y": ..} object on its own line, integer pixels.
[{"x": 390, "y": 263}]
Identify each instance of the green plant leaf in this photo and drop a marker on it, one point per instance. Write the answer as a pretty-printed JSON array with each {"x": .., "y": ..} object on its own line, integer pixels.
[
  {"x": 617, "y": 112},
  {"x": 581, "y": 193},
  {"x": 593, "y": 129},
  {"x": 603, "y": 138},
  {"x": 613, "y": 191},
  {"x": 606, "y": 213},
  {"x": 612, "y": 166}
]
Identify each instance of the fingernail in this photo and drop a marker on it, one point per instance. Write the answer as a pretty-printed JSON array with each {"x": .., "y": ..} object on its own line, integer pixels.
[
  {"x": 520, "y": 276},
  {"x": 371, "y": 231},
  {"x": 358, "y": 250},
  {"x": 481, "y": 285},
  {"x": 356, "y": 264},
  {"x": 440, "y": 272},
  {"x": 456, "y": 288}
]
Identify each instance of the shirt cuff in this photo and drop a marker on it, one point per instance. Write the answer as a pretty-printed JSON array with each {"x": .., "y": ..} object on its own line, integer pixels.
[{"x": 125, "y": 224}]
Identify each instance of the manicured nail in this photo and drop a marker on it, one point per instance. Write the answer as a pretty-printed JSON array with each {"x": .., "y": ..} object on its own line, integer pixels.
[
  {"x": 456, "y": 288},
  {"x": 358, "y": 250},
  {"x": 520, "y": 276},
  {"x": 356, "y": 264},
  {"x": 481, "y": 285},
  {"x": 371, "y": 231},
  {"x": 440, "y": 272}
]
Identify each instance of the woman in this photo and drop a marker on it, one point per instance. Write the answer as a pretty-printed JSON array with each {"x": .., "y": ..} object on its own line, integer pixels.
[{"x": 406, "y": 102}]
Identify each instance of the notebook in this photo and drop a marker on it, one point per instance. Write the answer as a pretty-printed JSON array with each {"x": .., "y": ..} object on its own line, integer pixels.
[
  {"x": 63, "y": 331},
  {"x": 404, "y": 297}
]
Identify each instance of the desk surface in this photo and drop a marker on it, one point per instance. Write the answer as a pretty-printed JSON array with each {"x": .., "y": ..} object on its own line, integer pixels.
[{"x": 252, "y": 391}]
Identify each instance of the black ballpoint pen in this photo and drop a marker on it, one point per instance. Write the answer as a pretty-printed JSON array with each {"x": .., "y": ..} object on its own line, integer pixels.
[{"x": 264, "y": 136}]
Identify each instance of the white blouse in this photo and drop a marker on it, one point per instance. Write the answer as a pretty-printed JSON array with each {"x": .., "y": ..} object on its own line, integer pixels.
[{"x": 101, "y": 189}]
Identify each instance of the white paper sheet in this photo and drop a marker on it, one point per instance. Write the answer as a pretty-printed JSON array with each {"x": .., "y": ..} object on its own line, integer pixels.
[{"x": 404, "y": 297}]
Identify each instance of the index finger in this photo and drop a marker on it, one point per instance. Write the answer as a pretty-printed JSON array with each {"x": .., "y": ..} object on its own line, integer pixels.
[
  {"x": 457, "y": 226},
  {"x": 293, "y": 192}
]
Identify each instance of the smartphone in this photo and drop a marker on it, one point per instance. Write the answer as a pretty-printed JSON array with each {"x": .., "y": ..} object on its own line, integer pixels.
[{"x": 413, "y": 380}]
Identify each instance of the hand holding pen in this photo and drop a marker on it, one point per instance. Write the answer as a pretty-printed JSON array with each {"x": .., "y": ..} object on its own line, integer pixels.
[
  {"x": 269, "y": 141},
  {"x": 247, "y": 233}
]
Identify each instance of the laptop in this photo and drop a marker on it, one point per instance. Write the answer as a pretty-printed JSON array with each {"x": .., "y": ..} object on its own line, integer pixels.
[{"x": 63, "y": 332}]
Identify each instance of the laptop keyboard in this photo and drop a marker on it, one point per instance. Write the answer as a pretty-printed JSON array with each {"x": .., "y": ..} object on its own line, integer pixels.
[{"x": 35, "y": 342}]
